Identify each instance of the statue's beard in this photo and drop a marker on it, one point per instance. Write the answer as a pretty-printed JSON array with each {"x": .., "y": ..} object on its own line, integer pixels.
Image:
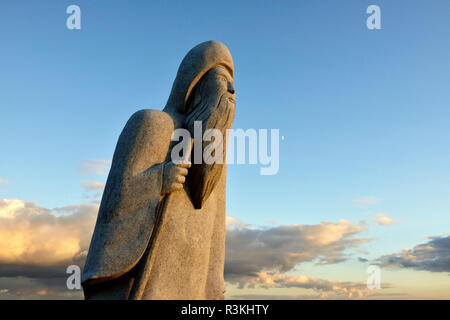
[{"x": 216, "y": 113}]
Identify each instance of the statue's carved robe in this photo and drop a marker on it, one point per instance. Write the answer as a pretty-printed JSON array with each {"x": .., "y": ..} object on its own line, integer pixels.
[{"x": 190, "y": 258}]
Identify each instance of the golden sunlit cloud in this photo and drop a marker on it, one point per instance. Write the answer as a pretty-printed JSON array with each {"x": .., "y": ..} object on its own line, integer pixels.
[
  {"x": 251, "y": 251},
  {"x": 383, "y": 219},
  {"x": 324, "y": 288},
  {"x": 33, "y": 235}
]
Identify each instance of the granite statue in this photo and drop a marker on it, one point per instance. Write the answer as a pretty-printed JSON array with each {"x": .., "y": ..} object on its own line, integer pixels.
[{"x": 160, "y": 230}]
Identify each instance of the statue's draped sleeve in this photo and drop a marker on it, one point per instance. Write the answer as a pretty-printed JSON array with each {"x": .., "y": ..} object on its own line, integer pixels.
[{"x": 127, "y": 211}]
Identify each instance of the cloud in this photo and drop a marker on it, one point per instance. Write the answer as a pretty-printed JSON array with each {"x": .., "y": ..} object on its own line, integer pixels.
[
  {"x": 33, "y": 271},
  {"x": 383, "y": 220},
  {"x": 36, "y": 289},
  {"x": 4, "y": 181},
  {"x": 232, "y": 223},
  {"x": 31, "y": 235},
  {"x": 272, "y": 296},
  {"x": 98, "y": 167},
  {"x": 92, "y": 185},
  {"x": 252, "y": 251},
  {"x": 36, "y": 246},
  {"x": 433, "y": 256},
  {"x": 325, "y": 295},
  {"x": 94, "y": 189},
  {"x": 366, "y": 201},
  {"x": 325, "y": 288}
]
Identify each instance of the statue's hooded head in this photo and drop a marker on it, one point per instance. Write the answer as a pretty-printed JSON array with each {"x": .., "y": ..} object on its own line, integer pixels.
[
  {"x": 197, "y": 62},
  {"x": 204, "y": 91}
]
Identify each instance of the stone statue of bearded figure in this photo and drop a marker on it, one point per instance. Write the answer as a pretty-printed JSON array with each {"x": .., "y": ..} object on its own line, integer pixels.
[{"x": 189, "y": 261}]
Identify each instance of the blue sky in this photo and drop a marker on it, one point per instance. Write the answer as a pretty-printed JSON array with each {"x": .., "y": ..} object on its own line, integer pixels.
[{"x": 364, "y": 113}]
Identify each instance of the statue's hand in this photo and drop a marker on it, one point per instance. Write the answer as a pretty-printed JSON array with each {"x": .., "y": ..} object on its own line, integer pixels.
[{"x": 174, "y": 176}]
